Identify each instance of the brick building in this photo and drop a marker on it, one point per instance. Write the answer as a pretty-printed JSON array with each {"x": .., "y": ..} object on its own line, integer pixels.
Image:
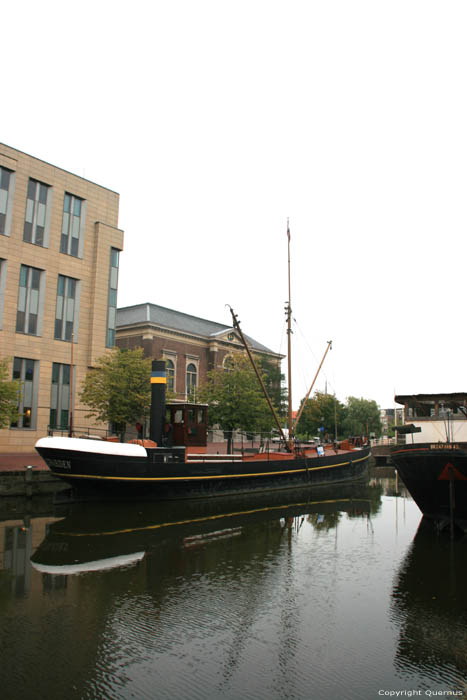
[
  {"x": 191, "y": 346},
  {"x": 59, "y": 254}
]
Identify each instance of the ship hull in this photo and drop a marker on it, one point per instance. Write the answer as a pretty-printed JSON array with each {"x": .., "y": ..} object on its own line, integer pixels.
[
  {"x": 435, "y": 475},
  {"x": 160, "y": 473}
]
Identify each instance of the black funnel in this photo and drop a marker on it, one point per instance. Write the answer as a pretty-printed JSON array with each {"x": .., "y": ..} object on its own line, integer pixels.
[{"x": 158, "y": 387}]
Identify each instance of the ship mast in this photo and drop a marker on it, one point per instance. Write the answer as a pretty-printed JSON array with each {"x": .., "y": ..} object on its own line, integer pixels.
[{"x": 288, "y": 311}]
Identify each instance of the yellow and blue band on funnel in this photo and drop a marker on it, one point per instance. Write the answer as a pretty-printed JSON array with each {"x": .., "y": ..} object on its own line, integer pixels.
[{"x": 158, "y": 377}]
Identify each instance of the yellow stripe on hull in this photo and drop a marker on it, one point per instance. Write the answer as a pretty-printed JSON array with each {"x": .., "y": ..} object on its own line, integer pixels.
[{"x": 169, "y": 479}]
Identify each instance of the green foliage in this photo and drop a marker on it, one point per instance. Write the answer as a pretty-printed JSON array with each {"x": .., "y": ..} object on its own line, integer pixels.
[
  {"x": 273, "y": 381},
  {"x": 118, "y": 389},
  {"x": 322, "y": 410},
  {"x": 9, "y": 393},
  {"x": 235, "y": 399},
  {"x": 362, "y": 417}
]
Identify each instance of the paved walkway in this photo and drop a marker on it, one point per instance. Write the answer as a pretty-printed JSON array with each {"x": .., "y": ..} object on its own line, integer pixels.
[{"x": 18, "y": 462}]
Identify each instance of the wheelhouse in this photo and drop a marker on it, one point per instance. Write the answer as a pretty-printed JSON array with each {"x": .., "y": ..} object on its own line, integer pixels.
[{"x": 186, "y": 424}]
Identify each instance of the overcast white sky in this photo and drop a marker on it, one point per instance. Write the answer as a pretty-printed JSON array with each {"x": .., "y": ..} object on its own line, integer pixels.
[{"x": 215, "y": 121}]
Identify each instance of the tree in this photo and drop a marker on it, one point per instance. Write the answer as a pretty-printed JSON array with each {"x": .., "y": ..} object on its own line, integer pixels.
[
  {"x": 9, "y": 392},
  {"x": 118, "y": 390},
  {"x": 235, "y": 399},
  {"x": 320, "y": 416},
  {"x": 362, "y": 417},
  {"x": 273, "y": 381}
]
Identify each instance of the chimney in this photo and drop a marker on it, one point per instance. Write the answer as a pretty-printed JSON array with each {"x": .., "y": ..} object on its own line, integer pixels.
[{"x": 158, "y": 387}]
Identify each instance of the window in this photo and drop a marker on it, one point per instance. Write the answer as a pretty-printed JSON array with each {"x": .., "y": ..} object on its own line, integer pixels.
[
  {"x": 170, "y": 367},
  {"x": 25, "y": 371},
  {"x": 60, "y": 396},
  {"x": 3, "y": 266},
  {"x": 27, "y": 315},
  {"x": 112, "y": 305},
  {"x": 228, "y": 363},
  {"x": 36, "y": 219},
  {"x": 191, "y": 374},
  {"x": 66, "y": 312},
  {"x": 71, "y": 240},
  {"x": 6, "y": 195}
]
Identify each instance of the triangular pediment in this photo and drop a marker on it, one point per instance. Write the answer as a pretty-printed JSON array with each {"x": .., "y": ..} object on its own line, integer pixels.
[{"x": 229, "y": 335}]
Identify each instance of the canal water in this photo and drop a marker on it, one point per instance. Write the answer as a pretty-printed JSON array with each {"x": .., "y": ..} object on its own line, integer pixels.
[{"x": 313, "y": 595}]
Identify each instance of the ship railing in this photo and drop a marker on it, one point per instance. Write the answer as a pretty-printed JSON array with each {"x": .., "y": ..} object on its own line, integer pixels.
[
  {"x": 381, "y": 441},
  {"x": 90, "y": 433},
  {"x": 201, "y": 458}
]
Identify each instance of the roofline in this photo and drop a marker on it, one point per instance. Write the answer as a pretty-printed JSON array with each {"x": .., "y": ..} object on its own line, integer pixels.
[
  {"x": 166, "y": 308},
  {"x": 57, "y": 167},
  {"x": 139, "y": 324}
]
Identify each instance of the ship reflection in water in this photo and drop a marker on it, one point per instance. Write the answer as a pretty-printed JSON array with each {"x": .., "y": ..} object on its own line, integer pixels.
[
  {"x": 293, "y": 596},
  {"x": 430, "y": 605}
]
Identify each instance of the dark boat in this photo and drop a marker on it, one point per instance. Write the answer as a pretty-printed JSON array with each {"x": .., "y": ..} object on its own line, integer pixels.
[
  {"x": 435, "y": 475},
  {"x": 100, "y": 469},
  {"x": 174, "y": 463}
]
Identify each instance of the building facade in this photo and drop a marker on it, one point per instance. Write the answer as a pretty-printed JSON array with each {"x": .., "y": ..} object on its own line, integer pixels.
[
  {"x": 59, "y": 255},
  {"x": 191, "y": 346}
]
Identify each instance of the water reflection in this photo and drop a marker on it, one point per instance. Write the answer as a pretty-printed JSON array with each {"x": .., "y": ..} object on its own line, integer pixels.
[
  {"x": 93, "y": 537},
  {"x": 282, "y": 597},
  {"x": 429, "y": 604}
]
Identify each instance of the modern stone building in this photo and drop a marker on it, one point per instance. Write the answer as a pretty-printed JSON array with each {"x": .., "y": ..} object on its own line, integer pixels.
[
  {"x": 59, "y": 254},
  {"x": 191, "y": 346}
]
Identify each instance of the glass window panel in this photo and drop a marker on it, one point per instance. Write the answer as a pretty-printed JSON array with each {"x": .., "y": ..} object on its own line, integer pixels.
[
  {"x": 31, "y": 189},
  {"x": 17, "y": 368},
  {"x": 66, "y": 374},
  {"x": 22, "y": 299},
  {"x": 20, "y": 318},
  {"x": 113, "y": 277},
  {"x": 39, "y": 235},
  {"x": 65, "y": 224},
  {"x": 59, "y": 312},
  {"x": 77, "y": 207},
  {"x": 27, "y": 417},
  {"x": 35, "y": 279},
  {"x": 3, "y": 201},
  {"x": 27, "y": 393},
  {"x": 67, "y": 203},
  {"x": 32, "y": 324},
  {"x": 74, "y": 247},
  {"x": 70, "y": 309},
  {"x": 5, "y": 178},
  {"x": 63, "y": 243},
  {"x": 43, "y": 193},
  {"x": 58, "y": 329},
  {"x": 23, "y": 275},
  {"x": 55, "y": 372},
  {"x": 61, "y": 285},
  {"x": 41, "y": 214},
  {"x": 34, "y": 301},
  {"x": 63, "y": 418},
  {"x": 27, "y": 232},
  {"x": 29, "y": 370},
  {"x": 75, "y": 223},
  {"x": 53, "y": 418},
  {"x": 29, "y": 210}
]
